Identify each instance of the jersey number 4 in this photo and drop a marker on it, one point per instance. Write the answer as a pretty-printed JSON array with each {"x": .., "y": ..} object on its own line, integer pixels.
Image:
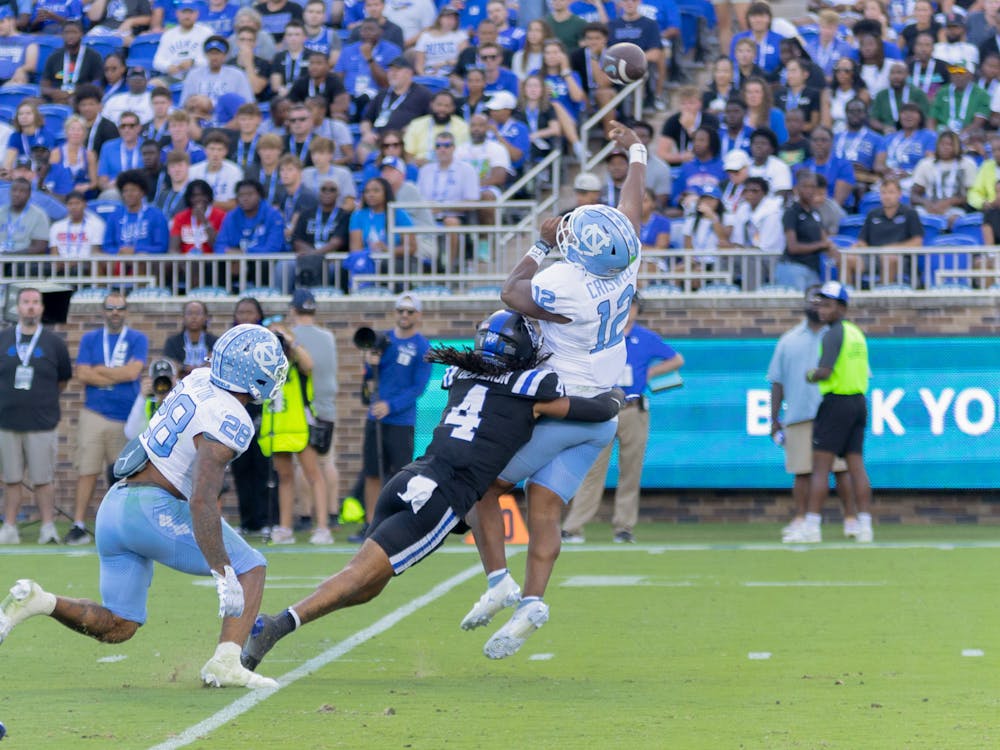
[
  {"x": 465, "y": 417},
  {"x": 611, "y": 330}
]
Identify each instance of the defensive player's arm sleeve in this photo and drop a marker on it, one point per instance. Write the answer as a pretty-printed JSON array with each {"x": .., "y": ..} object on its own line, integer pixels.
[
  {"x": 598, "y": 408},
  {"x": 832, "y": 341}
]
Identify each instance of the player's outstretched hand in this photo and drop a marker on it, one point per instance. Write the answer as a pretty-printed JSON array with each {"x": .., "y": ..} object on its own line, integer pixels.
[
  {"x": 230, "y": 593},
  {"x": 622, "y": 135}
]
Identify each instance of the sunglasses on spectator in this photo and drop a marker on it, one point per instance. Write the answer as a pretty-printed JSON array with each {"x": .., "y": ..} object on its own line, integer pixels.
[
  {"x": 445, "y": 144},
  {"x": 488, "y": 57},
  {"x": 115, "y": 308},
  {"x": 128, "y": 125},
  {"x": 391, "y": 144},
  {"x": 298, "y": 119},
  {"x": 406, "y": 311}
]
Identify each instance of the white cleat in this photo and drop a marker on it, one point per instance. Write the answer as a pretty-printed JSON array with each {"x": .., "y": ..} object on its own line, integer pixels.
[
  {"x": 8, "y": 534},
  {"x": 224, "y": 670},
  {"x": 505, "y": 594},
  {"x": 864, "y": 535},
  {"x": 508, "y": 640},
  {"x": 26, "y": 599},
  {"x": 804, "y": 534},
  {"x": 851, "y": 527}
]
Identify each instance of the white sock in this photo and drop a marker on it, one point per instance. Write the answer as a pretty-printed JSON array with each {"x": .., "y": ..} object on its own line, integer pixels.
[
  {"x": 814, "y": 519},
  {"x": 228, "y": 649},
  {"x": 865, "y": 519}
]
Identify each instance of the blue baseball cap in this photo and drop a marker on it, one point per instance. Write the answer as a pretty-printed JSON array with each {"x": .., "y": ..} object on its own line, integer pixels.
[
  {"x": 395, "y": 162},
  {"x": 216, "y": 43},
  {"x": 186, "y": 5},
  {"x": 711, "y": 191},
  {"x": 6, "y": 12},
  {"x": 303, "y": 300},
  {"x": 834, "y": 290}
]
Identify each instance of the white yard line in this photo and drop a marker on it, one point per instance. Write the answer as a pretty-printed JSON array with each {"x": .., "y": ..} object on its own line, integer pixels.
[{"x": 251, "y": 698}]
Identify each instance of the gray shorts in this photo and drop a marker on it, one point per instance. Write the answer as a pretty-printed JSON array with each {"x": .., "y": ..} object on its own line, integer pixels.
[{"x": 28, "y": 457}]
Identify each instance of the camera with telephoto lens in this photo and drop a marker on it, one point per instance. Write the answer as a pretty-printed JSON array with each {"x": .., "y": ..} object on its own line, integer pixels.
[
  {"x": 284, "y": 343},
  {"x": 367, "y": 339}
]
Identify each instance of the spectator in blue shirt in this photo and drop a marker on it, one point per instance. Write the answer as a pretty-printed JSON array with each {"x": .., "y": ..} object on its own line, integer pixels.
[
  {"x": 220, "y": 16},
  {"x": 364, "y": 64},
  {"x": 705, "y": 169},
  {"x": 135, "y": 227},
  {"x": 498, "y": 78},
  {"x": 49, "y": 16},
  {"x": 509, "y": 37},
  {"x": 839, "y": 173},
  {"x": 510, "y": 133},
  {"x": 179, "y": 128},
  {"x": 254, "y": 226},
  {"x": 768, "y": 42},
  {"x": 120, "y": 154}
]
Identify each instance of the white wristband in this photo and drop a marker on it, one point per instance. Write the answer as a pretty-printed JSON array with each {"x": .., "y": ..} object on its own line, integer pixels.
[
  {"x": 536, "y": 254},
  {"x": 637, "y": 154}
]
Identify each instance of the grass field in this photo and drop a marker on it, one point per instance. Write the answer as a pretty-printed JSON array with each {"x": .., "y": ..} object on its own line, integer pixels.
[{"x": 705, "y": 636}]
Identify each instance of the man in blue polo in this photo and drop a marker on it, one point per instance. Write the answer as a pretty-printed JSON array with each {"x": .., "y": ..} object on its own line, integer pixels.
[{"x": 110, "y": 364}]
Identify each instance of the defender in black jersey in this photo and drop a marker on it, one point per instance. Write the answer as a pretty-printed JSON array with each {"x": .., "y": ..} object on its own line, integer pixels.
[{"x": 496, "y": 392}]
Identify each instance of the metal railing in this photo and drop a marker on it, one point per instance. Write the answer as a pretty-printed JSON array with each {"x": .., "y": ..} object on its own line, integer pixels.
[{"x": 870, "y": 271}]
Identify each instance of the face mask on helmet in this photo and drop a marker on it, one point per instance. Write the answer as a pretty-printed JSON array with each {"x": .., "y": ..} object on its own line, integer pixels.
[
  {"x": 248, "y": 359},
  {"x": 507, "y": 338},
  {"x": 600, "y": 239}
]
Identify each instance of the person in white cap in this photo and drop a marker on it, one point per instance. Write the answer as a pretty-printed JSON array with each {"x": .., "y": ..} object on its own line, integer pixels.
[
  {"x": 509, "y": 132},
  {"x": 737, "y": 167},
  {"x": 839, "y": 426},
  {"x": 586, "y": 189}
]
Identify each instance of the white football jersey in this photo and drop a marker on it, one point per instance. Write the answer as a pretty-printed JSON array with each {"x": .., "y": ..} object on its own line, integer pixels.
[
  {"x": 589, "y": 352},
  {"x": 196, "y": 406}
]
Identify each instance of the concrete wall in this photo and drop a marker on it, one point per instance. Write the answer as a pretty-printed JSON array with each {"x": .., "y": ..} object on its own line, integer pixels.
[{"x": 677, "y": 319}]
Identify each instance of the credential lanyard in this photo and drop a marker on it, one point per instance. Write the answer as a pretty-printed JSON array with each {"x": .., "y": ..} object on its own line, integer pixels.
[
  {"x": 24, "y": 350},
  {"x": 115, "y": 358}
]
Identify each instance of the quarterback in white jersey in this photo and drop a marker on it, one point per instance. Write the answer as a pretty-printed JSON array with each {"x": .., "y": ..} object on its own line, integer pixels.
[
  {"x": 164, "y": 510},
  {"x": 582, "y": 304}
]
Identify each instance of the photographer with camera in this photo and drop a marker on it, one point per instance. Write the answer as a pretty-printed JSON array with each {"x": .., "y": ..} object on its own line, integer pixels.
[
  {"x": 152, "y": 390},
  {"x": 395, "y": 376},
  {"x": 284, "y": 432}
]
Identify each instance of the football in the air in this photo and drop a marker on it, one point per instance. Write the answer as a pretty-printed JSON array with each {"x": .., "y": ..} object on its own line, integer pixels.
[{"x": 624, "y": 62}]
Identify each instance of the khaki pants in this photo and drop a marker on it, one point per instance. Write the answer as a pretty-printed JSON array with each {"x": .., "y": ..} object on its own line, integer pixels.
[{"x": 632, "y": 436}]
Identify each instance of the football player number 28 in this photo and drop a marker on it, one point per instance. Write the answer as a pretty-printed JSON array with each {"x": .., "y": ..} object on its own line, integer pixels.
[
  {"x": 178, "y": 413},
  {"x": 611, "y": 327},
  {"x": 465, "y": 416}
]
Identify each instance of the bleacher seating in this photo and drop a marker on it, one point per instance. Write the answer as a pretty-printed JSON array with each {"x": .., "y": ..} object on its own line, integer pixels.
[
  {"x": 150, "y": 292},
  {"x": 89, "y": 293},
  {"x": 207, "y": 292},
  {"x": 143, "y": 50},
  {"x": 933, "y": 226},
  {"x": 947, "y": 261},
  {"x": 55, "y": 117},
  {"x": 105, "y": 44},
  {"x": 12, "y": 94},
  {"x": 851, "y": 225},
  {"x": 970, "y": 225}
]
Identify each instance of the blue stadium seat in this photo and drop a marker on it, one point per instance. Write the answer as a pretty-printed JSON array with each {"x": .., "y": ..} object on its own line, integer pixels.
[
  {"x": 662, "y": 289},
  {"x": 492, "y": 292},
  {"x": 102, "y": 208},
  {"x": 143, "y": 49},
  {"x": 851, "y": 225},
  {"x": 7, "y": 114},
  {"x": 150, "y": 292},
  {"x": 373, "y": 291},
  {"x": 327, "y": 292},
  {"x": 842, "y": 240},
  {"x": 431, "y": 291},
  {"x": 947, "y": 261},
  {"x": 47, "y": 44},
  {"x": 103, "y": 43},
  {"x": 175, "y": 92},
  {"x": 933, "y": 226},
  {"x": 12, "y": 94},
  {"x": 677, "y": 233},
  {"x": 207, "y": 292},
  {"x": 869, "y": 201},
  {"x": 434, "y": 83},
  {"x": 55, "y": 117},
  {"x": 53, "y": 208},
  {"x": 970, "y": 225},
  {"x": 89, "y": 293}
]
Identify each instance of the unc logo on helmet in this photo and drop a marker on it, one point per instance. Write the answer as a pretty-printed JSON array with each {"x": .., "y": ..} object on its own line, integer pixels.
[
  {"x": 248, "y": 359},
  {"x": 508, "y": 338},
  {"x": 600, "y": 239}
]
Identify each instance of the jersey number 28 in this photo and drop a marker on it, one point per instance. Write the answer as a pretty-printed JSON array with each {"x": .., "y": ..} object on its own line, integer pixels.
[{"x": 611, "y": 330}]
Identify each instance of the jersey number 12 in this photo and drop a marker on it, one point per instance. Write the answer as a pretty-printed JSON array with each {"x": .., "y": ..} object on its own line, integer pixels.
[{"x": 612, "y": 330}]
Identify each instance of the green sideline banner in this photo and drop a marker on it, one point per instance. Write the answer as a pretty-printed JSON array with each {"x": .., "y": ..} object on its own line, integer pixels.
[{"x": 932, "y": 417}]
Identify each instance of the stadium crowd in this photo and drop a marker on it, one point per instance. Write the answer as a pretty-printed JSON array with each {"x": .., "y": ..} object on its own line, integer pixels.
[{"x": 193, "y": 127}]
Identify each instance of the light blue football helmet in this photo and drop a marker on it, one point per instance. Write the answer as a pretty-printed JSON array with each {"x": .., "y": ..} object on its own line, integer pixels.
[
  {"x": 248, "y": 359},
  {"x": 600, "y": 239}
]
